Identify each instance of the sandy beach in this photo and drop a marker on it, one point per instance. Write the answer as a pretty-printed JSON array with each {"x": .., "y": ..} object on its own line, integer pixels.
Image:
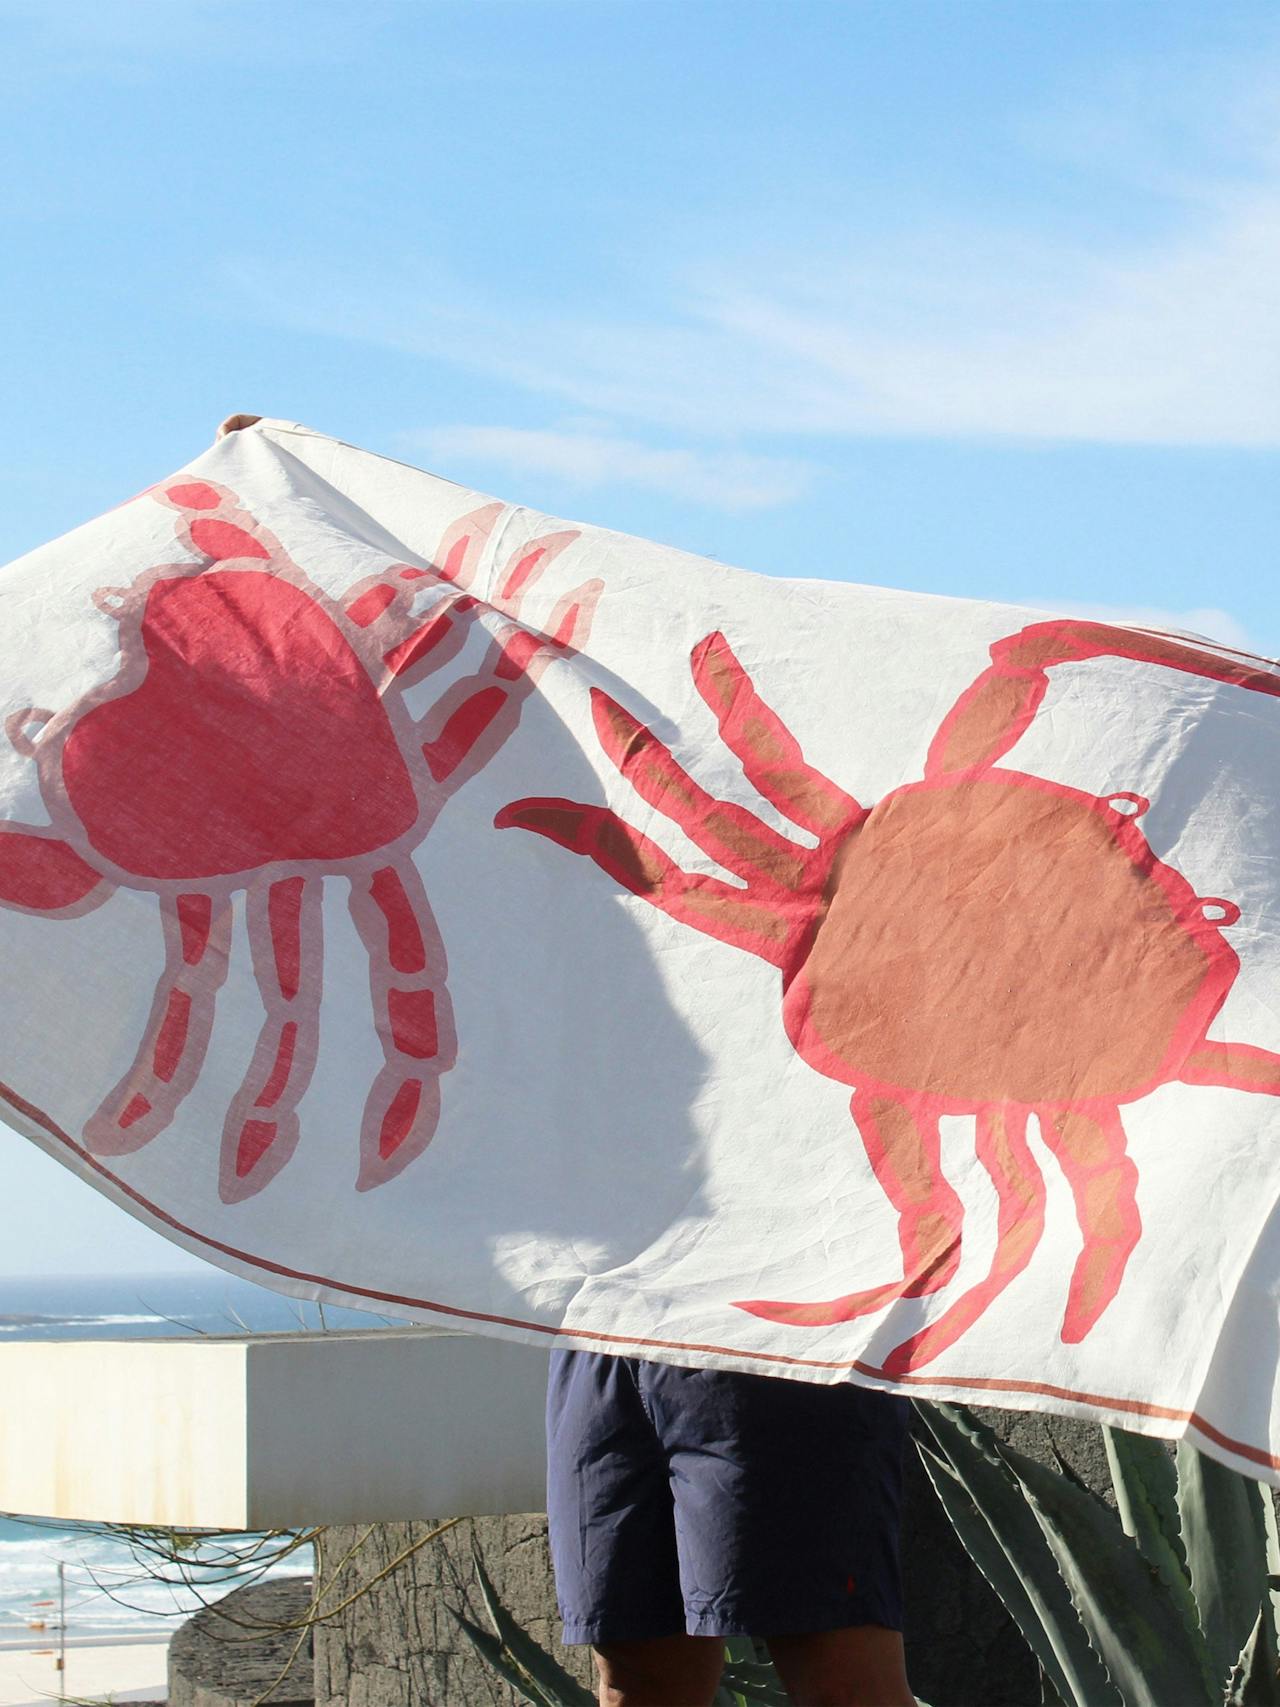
[{"x": 122, "y": 1670}]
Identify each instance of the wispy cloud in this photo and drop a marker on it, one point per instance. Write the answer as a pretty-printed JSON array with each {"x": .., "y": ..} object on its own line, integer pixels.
[
  {"x": 1090, "y": 333},
  {"x": 1175, "y": 342},
  {"x": 588, "y": 459}
]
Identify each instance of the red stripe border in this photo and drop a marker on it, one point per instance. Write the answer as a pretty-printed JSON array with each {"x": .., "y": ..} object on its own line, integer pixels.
[{"x": 1044, "y": 1389}]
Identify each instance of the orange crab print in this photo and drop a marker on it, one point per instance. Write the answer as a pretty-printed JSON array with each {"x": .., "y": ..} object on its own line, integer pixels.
[{"x": 981, "y": 942}]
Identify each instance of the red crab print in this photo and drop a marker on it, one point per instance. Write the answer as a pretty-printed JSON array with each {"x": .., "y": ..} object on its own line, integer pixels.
[
  {"x": 256, "y": 738},
  {"x": 982, "y": 942}
]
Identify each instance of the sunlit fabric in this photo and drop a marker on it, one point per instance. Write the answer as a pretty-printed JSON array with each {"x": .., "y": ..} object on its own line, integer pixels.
[{"x": 413, "y": 901}]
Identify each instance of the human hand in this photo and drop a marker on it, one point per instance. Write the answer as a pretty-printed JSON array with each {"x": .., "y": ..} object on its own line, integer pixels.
[{"x": 234, "y": 423}]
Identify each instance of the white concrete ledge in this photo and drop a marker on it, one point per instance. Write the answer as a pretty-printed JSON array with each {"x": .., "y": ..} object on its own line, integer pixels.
[{"x": 272, "y": 1430}]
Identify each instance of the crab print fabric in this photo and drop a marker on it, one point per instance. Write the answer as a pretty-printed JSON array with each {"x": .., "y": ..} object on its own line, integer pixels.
[{"x": 419, "y": 903}]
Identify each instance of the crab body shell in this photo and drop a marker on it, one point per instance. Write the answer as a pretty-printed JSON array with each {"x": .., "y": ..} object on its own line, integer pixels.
[{"x": 978, "y": 938}]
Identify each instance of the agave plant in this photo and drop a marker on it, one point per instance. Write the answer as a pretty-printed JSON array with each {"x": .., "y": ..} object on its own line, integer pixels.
[
  {"x": 1167, "y": 1601},
  {"x": 538, "y": 1677}
]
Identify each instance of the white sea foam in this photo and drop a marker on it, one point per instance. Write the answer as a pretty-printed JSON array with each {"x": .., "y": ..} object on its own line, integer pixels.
[
  {"x": 68, "y": 1323},
  {"x": 108, "y": 1590}
]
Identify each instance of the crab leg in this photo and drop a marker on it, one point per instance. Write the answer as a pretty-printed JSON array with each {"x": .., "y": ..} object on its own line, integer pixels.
[
  {"x": 1002, "y": 1150},
  {"x": 710, "y": 905},
  {"x": 413, "y": 644},
  {"x": 261, "y": 1129},
  {"x": 197, "y": 935},
  {"x": 478, "y": 713},
  {"x": 1239, "y": 1066},
  {"x": 763, "y": 917},
  {"x": 457, "y": 557},
  {"x": 475, "y": 716},
  {"x": 412, "y": 1014},
  {"x": 734, "y": 837},
  {"x": 526, "y": 567},
  {"x": 995, "y": 711},
  {"x": 904, "y": 1149},
  {"x": 1103, "y": 1181},
  {"x": 770, "y": 754}
]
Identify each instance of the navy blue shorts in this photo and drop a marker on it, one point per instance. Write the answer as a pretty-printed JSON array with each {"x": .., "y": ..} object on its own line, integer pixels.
[{"x": 717, "y": 1504}]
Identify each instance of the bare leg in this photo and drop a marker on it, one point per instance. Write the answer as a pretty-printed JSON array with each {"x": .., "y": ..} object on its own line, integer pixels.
[
  {"x": 667, "y": 1671},
  {"x": 861, "y": 1666}
]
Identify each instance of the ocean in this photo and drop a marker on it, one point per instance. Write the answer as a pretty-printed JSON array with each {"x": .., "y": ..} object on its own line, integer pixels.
[{"x": 108, "y": 1592}]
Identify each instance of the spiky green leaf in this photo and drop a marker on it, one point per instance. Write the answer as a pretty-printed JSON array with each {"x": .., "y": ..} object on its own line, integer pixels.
[
  {"x": 1224, "y": 1533},
  {"x": 1152, "y": 1655},
  {"x": 1255, "y": 1679},
  {"x": 1049, "y": 1696},
  {"x": 495, "y": 1654},
  {"x": 990, "y": 1514},
  {"x": 529, "y": 1656},
  {"x": 755, "y": 1682},
  {"x": 1146, "y": 1487},
  {"x": 1272, "y": 1533}
]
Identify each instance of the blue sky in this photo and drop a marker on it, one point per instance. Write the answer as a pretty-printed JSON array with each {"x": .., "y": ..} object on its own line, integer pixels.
[{"x": 972, "y": 297}]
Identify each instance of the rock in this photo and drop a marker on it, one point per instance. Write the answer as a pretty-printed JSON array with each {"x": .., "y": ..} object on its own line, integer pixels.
[
  {"x": 231, "y": 1652},
  {"x": 398, "y": 1645}
]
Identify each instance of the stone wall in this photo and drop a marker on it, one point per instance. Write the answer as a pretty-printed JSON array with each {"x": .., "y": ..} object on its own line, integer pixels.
[
  {"x": 240, "y": 1650},
  {"x": 398, "y": 1646}
]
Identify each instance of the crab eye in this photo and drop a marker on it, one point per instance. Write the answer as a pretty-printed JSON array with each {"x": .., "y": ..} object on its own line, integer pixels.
[
  {"x": 111, "y": 601},
  {"x": 23, "y": 727},
  {"x": 1218, "y": 911},
  {"x": 1128, "y": 805}
]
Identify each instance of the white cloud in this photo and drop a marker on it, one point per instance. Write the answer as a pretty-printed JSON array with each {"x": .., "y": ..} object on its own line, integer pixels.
[
  {"x": 1177, "y": 342},
  {"x": 725, "y": 479},
  {"x": 1174, "y": 341}
]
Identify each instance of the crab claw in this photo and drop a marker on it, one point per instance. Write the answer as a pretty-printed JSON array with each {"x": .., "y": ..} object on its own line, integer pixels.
[{"x": 40, "y": 874}]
